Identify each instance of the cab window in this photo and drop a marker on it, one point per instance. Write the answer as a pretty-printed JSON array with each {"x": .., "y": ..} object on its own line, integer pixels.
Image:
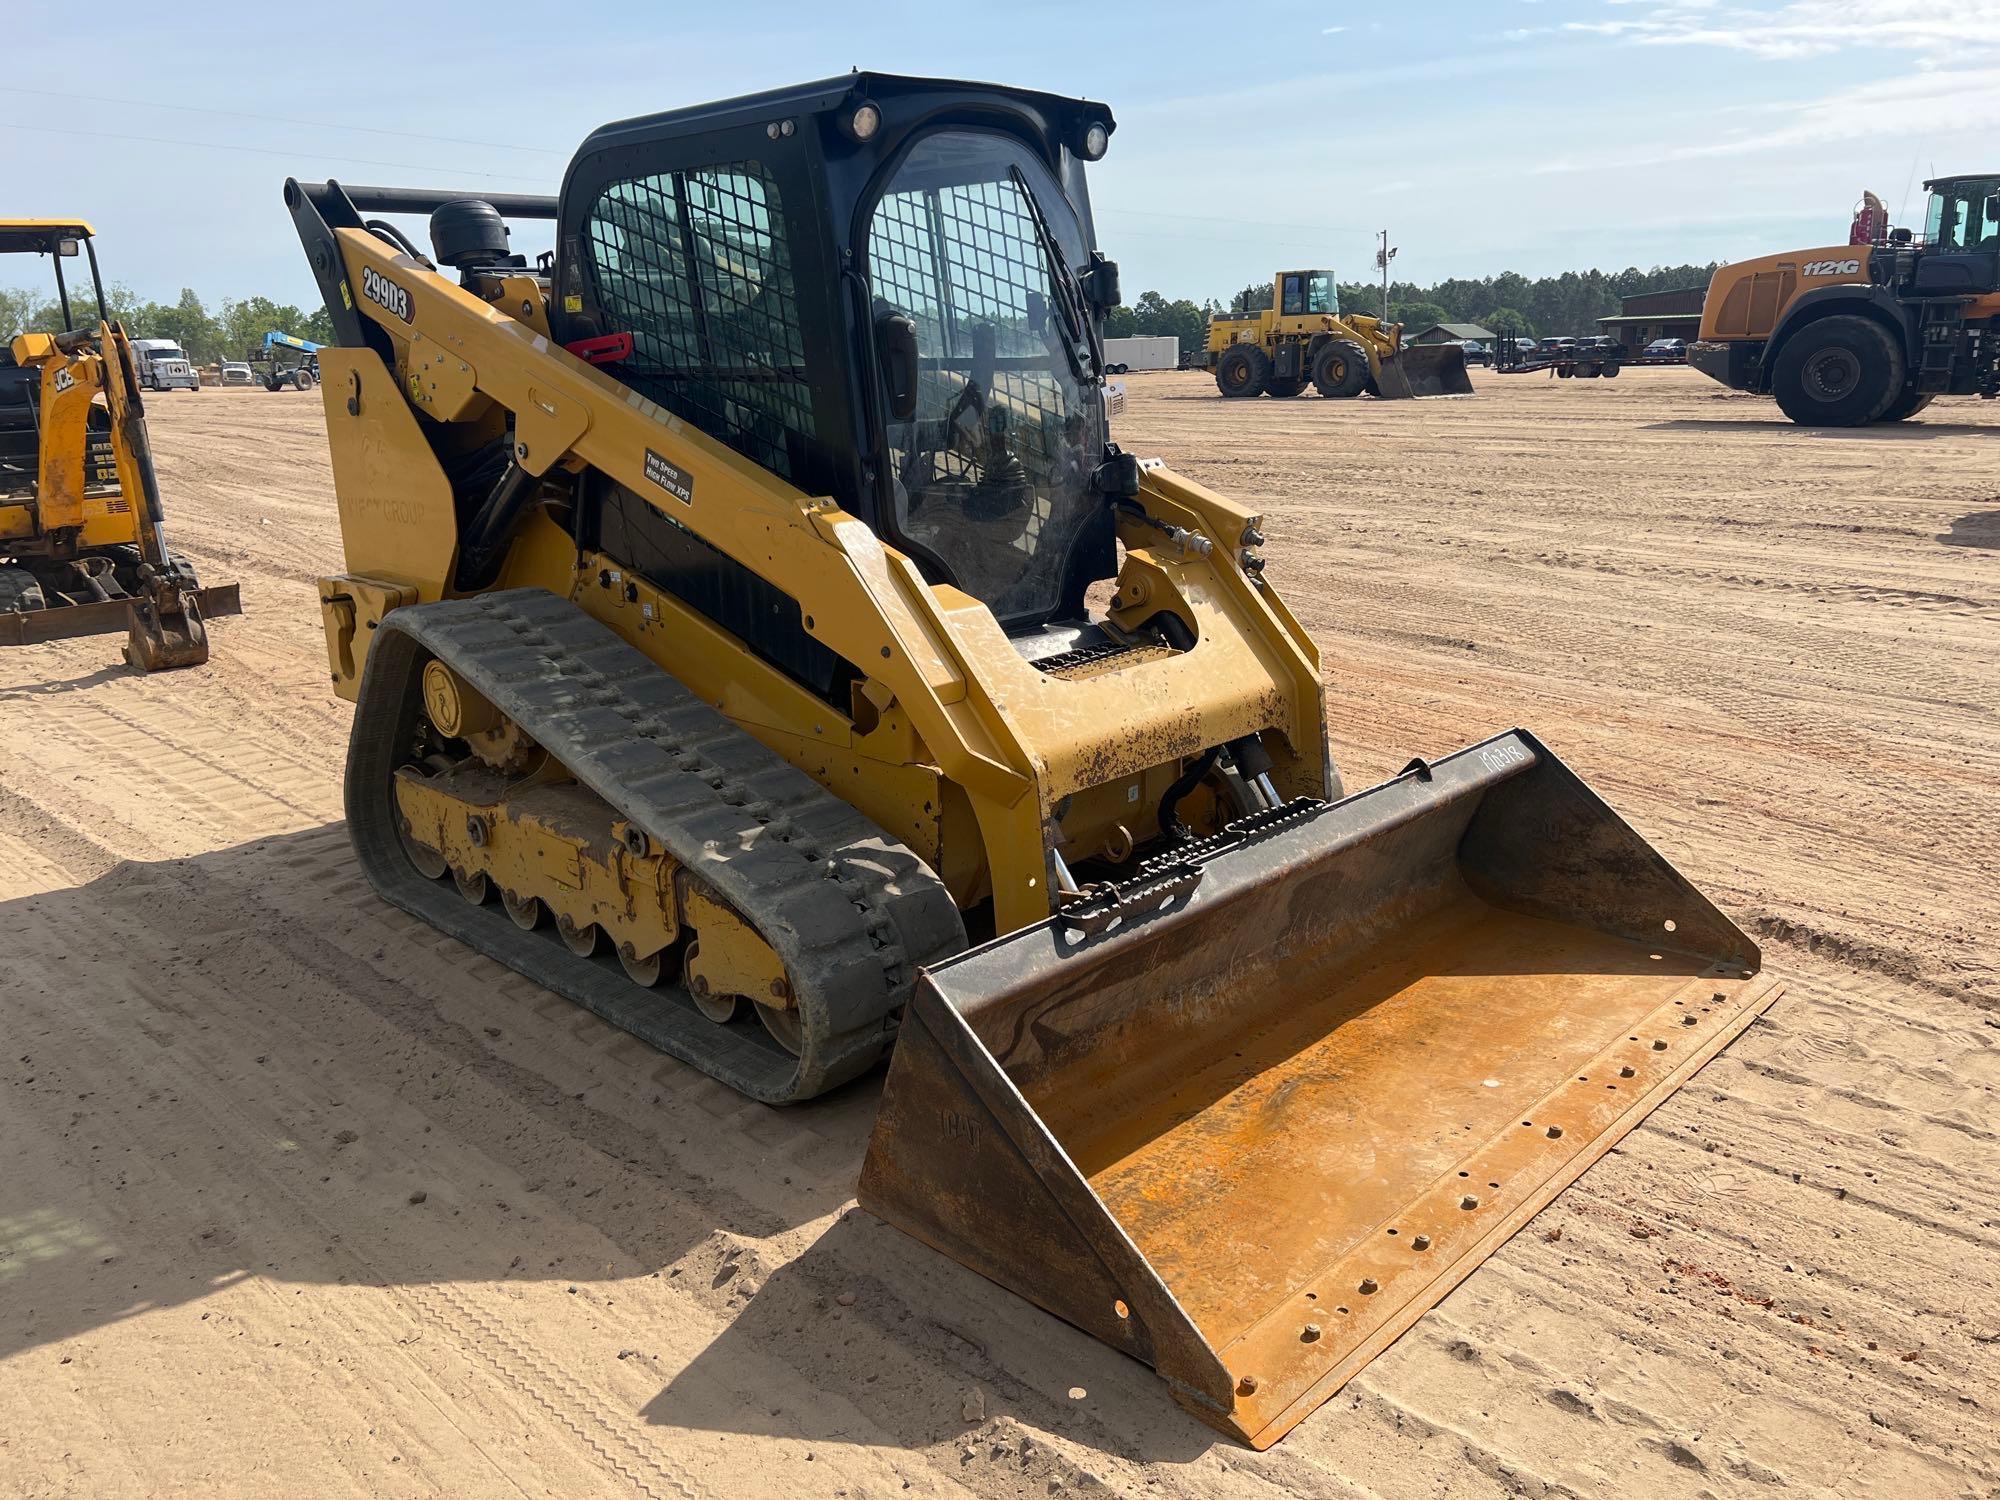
[
  {"x": 1294, "y": 300},
  {"x": 1320, "y": 294},
  {"x": 1965, "y": 217}
]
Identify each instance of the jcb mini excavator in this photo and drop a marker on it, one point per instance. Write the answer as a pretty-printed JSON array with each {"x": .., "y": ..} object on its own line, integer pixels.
[
  {"x": 1303, "y": 338},
  {"x": 718, "y": 616},
  {"x": 83, "y": 547}
]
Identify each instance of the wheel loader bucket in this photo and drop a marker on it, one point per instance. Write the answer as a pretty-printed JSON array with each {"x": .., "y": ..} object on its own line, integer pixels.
[
  {"x": 1424, "y": 370},
  {"x": 1250, "y": 1116}
]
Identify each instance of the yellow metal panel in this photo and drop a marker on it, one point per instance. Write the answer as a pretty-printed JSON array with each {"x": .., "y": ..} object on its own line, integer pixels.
[
  {"x": 396, "y": 517},
  {"x": 74, "y": 226},
  {"x": 439, "y": 380},
  {"x": 351, "y": 608},
  {"x": 68, "y": 388}
]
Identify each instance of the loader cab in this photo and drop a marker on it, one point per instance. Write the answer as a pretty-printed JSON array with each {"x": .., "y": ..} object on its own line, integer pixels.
[
  {"x": 1961, "y": 253},
  {"x": 1303, "y": 294},
  {"x": 885, "y": 290},
  {"x": 65, "y": 244}
]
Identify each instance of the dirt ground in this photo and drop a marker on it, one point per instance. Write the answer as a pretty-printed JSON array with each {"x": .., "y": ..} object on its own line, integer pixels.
[{"x": 300, "y": 1198}]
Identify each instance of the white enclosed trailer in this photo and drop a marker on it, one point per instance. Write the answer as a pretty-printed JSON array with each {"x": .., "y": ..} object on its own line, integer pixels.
[{"x": 1142, "y": 352}]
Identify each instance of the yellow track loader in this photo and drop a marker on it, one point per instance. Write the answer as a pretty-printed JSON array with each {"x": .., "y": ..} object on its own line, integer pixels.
[
  {"x": 717, "y": 615},
  {"x": 83, "y": 548},
  {"x": 1303, "y": 339}
]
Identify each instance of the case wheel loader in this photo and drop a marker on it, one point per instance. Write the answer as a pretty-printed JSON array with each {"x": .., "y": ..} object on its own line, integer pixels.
[
  {"x": 1847, "y": 335},
  {"x": 715, "y": 615},
  {"x": 1303, "y": 339},
  {"x": 83, "y": 547}
]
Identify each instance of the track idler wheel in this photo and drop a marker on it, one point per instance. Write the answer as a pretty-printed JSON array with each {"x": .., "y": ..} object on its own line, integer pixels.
[
  {"x": 582, "y": 941},
  {"x": 525, "y": 910},
  {"x": 644, "y": 972},
  {"x": 718, "y": 1007},
  {"x": 425, "y": 860},
  {"x": 784, "y": 1025}
]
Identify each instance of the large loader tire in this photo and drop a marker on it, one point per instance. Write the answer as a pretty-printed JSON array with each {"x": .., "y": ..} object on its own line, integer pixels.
[
  {"x": 1340, "y": 369},
  {"x": 1905, "y": 406},
  {"x": 1243, "y": 370},
  {"x": 1838, "y": 372},
  {"x": 1285, "y": 385},
  {"x": 20, "y": 592}
]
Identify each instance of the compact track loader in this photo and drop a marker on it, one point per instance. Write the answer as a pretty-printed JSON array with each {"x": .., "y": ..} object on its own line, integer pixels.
[
  {"x": 1304, "y": 339},
  {"x": 719, "y": 620},
  {"x": 83, "y": 547}
]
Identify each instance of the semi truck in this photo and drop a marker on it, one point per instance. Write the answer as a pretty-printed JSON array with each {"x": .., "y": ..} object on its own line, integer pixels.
[{"x": 164, "y": 366}]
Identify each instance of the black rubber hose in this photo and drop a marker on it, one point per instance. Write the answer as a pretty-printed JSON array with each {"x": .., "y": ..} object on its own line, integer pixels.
[
  {"x": 1170, "y": 823},
  {"x": 395, "y": 236},
  {"x": 484, "y": 542}
]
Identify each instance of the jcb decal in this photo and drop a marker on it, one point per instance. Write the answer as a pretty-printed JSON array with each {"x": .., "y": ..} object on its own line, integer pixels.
[
  {"x": 383, "y": 292},
  {"x": 64, "y": 380},
  {"x": 1830, "y": 268}
]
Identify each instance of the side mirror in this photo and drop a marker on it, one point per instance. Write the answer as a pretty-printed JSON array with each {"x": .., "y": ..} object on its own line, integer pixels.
[
  {"x": 1100, "y": 282},
  {"x": 896, "y": 349},
  {"x": 66, "y": 247},
  {"x": 1899, "y": 236}
]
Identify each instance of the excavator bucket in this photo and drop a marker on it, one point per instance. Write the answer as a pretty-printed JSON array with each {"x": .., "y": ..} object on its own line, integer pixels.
[
  {"x": 109, "y": 616},
  {"x": 1424, "y": 370},
  {"x": 1248, "y": 1117}
]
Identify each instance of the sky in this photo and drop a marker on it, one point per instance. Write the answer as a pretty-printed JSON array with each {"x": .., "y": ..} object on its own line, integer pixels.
[{"x": 1485, "y": 135}]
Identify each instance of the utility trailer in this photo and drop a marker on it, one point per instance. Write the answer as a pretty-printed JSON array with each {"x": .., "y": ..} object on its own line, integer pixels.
[{"x": 1580, "y": 363}]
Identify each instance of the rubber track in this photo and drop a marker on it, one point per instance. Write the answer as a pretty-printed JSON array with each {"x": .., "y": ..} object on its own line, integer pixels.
[{"x": 852, "y": 912}]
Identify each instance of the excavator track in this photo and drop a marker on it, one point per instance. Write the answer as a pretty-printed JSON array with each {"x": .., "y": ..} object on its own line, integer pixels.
[{"x": 852, "y": 913}]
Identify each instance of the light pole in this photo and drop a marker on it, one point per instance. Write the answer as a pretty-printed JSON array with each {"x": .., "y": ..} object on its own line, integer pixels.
[{"x": 1384, "y": 253}]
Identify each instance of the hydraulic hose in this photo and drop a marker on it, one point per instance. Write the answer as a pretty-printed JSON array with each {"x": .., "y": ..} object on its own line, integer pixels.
[{"x": 1170, "y": 823}]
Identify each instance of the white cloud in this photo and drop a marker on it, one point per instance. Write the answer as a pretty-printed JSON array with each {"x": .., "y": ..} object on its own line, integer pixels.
[
  {"x": 1332, "y": 30},
  {"x": 1938, "y": 30},
  {"x": 1937, "y": 100}
]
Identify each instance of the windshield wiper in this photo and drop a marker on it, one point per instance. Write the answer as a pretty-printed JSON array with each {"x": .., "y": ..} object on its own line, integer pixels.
[{"x": 1069, "y": 295}]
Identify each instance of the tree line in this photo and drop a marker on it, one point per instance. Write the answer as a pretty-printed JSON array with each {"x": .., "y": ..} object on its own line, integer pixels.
[
  {"x": 233, "y": 329},
  {"x": 1544, "y": 307}
]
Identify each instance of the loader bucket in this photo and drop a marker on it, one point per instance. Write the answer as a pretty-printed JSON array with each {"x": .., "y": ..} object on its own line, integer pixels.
[
  {"x": 1251, "y": 1118},
  {"x": 1424, "y": 370}
]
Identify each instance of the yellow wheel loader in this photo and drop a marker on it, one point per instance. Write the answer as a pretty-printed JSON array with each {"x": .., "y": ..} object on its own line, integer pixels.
[
  {"x": 717, "y": 615},
  {"x": 1303, "y": 339},
  {"x": 83, "y": 547}
]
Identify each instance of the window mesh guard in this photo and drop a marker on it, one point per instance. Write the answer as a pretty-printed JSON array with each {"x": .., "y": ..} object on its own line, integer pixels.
[
  {"x": 997, "y": 420},
  {"x": 695, "y": 266}
]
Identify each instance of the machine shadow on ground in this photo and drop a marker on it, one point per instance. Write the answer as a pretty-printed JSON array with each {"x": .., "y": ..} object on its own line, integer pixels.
[
  {"x": 285, "y": 1059},
  {"x": 909, "y": 1294},
  {"x": 80, "y": 683},
  {"x": 1979, "y": 528},
  {"x": 262, "y": 993},
  {"x": 1915, "y": 431}
]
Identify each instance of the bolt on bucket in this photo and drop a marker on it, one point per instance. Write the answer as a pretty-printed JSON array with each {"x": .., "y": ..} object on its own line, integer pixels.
[
  {"x": 1249, "y": 1117},
  {"x": 1424, "y": 370}
]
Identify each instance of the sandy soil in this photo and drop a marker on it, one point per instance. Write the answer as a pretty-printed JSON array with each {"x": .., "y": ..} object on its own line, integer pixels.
[{"x": 301, "y": 1199}]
